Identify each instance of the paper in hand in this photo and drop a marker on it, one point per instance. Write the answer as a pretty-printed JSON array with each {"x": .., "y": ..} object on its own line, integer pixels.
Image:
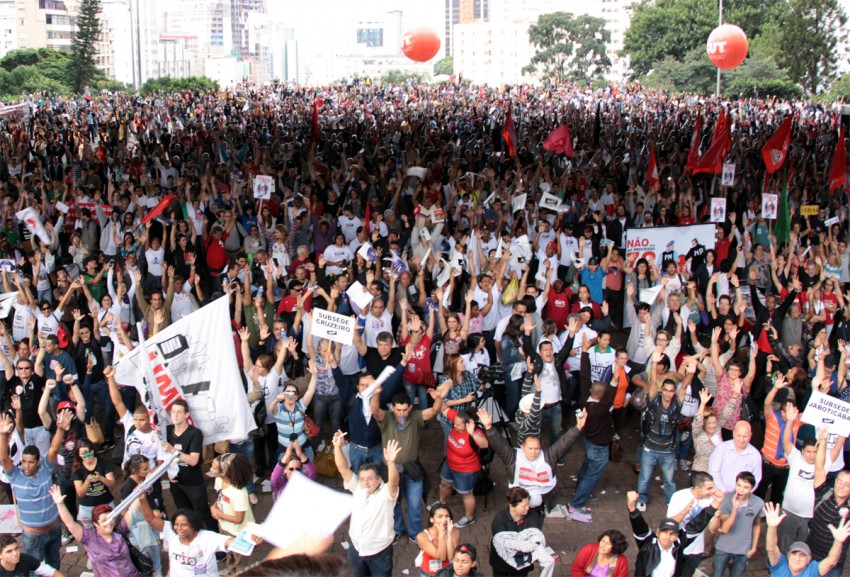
[{"x": 319, "y": 512}]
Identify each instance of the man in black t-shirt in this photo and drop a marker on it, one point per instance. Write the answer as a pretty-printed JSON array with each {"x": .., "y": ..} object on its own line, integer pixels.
[
  {"x": 21, "y": 380},
  {"x": 384, "y": 355},
  {"x": 13, "y": 563},
  {"x": 187, "y": 486}
]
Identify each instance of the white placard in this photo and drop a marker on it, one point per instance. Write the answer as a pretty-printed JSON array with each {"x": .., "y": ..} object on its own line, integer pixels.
[
  {"x": 368, "y": 252},
  {"x": 718, "y": 210},
  {"x": 263, "y": 187},
  {"x": 769, "y": 205},
  {"x": 359, "y": 296},
  {"x": 831, "y": 221},
  {"x": 62, "y": 207},
  {"x": 9, "y": 520},
  {"x": 650, "y": 295},
  {"x": 521, "y": 252},
  {"x": 550, "y": 202},
  {"x": 328, "y": 325},
  {"x": 728, "y": 175},
  {"x": 8, "y": 265},
  {"x": 825, "y": 411},
  {"x": 319, "y": 510},
  {"x": 438, "y": 216},
  {"x": 518, "y": 202},
  {"x": 416, "y": 171},
  {"x": 653, "y": 242},
  {"x": 7, "y": 301}
]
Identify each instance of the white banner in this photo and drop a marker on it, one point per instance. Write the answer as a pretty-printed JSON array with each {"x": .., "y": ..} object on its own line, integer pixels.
[
  {"x": 328, "y": 325},
  {"x": 263, "y": 187},
  {"x": 769, "y": 205},
  {"x": 7, "y": 301},
  {"x": 193, "y": 359},
  {"x": 30, "y": 218},
  {"x": 718, "y": 210},
  {"x": 678, "y": 240},
  {"x": 550, "y": 202},
  {"x": 829, "y": 412}
]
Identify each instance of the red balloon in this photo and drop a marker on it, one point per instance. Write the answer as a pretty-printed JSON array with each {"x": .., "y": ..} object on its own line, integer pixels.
[
  {"x": 421, "y": 44},
  {"x": 727, "y": 46}
]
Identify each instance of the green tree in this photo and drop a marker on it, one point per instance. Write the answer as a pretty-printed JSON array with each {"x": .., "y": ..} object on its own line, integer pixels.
[
  {"x": 166, "y": 84},
  {"x": 84, "y": 45},
  {"x": 401, "y": 77},
  {"x": 809, "y": 41},
  {"x": 840, "y": 90},
  {"x": 445, "y": 66},
  {"x": 673, "y": 28},
  {"x": 569, "y": 48}
]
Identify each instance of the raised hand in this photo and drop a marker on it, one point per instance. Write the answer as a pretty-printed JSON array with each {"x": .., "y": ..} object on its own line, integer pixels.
[
  {"x": 64, "y": 419},
  {"x": 244, "y": 334},
  {"x": 704, "y": 396},
  {"x": 16, "y": 402},
  {"x": 56, "y": 494},
  {"x": 485, "y": 418},
  {"x": 338, "y": 439},
  {"x": 773, "y": 515},
  {"x": 841, "y": 532},
  {"x": 7, "y": 424},
  {"x": 581, "y": 419},
  {"x": 791, "y": 413},
  {"x": 391, "y": 451},
  {"x": 631, "y": 499}
]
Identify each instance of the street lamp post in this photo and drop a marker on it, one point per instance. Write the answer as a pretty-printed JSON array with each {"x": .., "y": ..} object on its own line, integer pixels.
[{"x": 720, "y": 23}]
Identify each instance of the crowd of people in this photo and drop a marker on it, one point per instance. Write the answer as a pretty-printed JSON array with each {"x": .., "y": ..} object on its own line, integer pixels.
[{"x": 521, "y": 328}]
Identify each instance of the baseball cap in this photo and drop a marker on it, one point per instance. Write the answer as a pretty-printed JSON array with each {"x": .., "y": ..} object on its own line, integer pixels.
[
  {"x": 801, "y": 547},
  {"x": 526, "y": 402},
  {"x": 66, "y": 405},
  {"x": 593, "y": 260},
  {"x": 553, "y": 245},
  {"x": 668, "y": 525}
]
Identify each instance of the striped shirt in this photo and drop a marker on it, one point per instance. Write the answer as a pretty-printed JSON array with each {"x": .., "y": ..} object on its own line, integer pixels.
[
  {"x": 288, "y": 423},
  {"x": 773, "y": 450},
  {"x": 35, "y": 504},
  {"x": 827, "y": 512}
]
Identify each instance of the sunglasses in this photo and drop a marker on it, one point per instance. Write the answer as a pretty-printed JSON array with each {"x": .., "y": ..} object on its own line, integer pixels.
[{"x": 293, "y": 468}]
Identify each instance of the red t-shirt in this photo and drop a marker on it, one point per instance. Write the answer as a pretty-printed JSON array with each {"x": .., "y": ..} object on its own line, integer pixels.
[
  {"x": 721, "y": 247},
  {"x": 216, "y": 255},
  {"x": 459, "y": 453},
  {"x": 558, "y": 308},
  {"x": 420, "y": 362}
]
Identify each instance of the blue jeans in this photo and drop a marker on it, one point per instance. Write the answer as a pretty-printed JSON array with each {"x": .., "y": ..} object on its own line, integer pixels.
[
  {"x": 377, "y": 565},
  {"x": 648, "y": 460},
  {"x": 417, "y": 392},
  {"x": 721, "y": 560},
  {"x": 247, "y": 449},
  {"x": 553, "y": 416},
  {"x": 361, "y": 455},
  {"x": 100, "y": 390},
  {"x": 46, "y": 295},
  {"x": 330, "y": 407},
  {"x": 595, "y": 461},
  {"x": 412, "y": 493},
  {"x": 684, "y": 440},
  {"x": 44, "y": 547},
  {"x": 512, "y": 391},
  {"x": 155, "y": 556}
]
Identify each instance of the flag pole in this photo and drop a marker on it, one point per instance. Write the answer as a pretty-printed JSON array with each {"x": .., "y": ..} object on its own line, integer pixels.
[{"x": 720, "y": 23}]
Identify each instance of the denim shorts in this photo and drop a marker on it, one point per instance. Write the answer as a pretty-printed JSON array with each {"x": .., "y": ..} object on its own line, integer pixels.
[{"x": 463, "y": 483}]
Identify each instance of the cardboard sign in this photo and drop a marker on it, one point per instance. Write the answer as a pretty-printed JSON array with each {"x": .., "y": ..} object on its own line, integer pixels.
[
  {"x": 809, "y": 210},
  {"x": 831, "y": 221},
  {"x": 769, "y": 205},
  {"x": 518, "y": 203},
  {"x": 9, "y": 520},
  {"x": 417, "y": 171},
  {"x": 438, "y": 216},
  {"x": 368, "y": 252},
  {"x": 728, "y": 174},
  {"x": 263, "y": 187},
  {"x": 829, "y": 412},
  {"x": 331, "y": 326},
  {"x": 718, "y": 210},
  {"x": 550, "y": 202}
]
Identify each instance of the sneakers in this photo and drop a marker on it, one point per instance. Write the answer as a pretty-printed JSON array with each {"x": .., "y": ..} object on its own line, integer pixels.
[
  {"x": 252, "y": 498},
  {"x": 593, "y": 498},
  {"x": 67, "y": 538},
  {"x": 684, "y": 465},
  {"x": 464, "y": 522},
  {"x": 582, "y": 510},
  {"x": 641, "y": 507}
]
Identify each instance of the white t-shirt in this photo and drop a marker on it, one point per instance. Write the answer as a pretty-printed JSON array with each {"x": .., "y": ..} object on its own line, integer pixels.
[
  {"x": 155, "y": 259},
  {"x": 270, "y": 384},
  {"x": 678, "y": 502},
  {"x": 20, "y": 322},
  {"x": 574, "y": 362},
  {"x": 182, "y": 305},
  {"x": 196, "y": 558},
  {"x": 139, "y": 443},
  {"x": 666, "y": 565},
  {"x": 374, "y": 326},
  {"x": 341, "y": 254},
  {"x": 49, "y": 325},
  {"x": 348, "y": 227},
  {"x": 800, "y": 489}
]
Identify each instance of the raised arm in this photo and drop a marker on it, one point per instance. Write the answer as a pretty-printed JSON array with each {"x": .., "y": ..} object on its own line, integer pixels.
[{"x": 74, "y": 528}]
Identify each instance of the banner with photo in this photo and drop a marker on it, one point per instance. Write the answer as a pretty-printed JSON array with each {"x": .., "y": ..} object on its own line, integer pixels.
[
  {"x": 668, "y": 243},
  {"x": 193, "y": 359}
]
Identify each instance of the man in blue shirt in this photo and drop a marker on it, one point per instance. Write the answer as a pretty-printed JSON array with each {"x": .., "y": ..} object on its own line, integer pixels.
[
  {"x": 31, "y": 482},
  {"x": 798, "y": 560}
]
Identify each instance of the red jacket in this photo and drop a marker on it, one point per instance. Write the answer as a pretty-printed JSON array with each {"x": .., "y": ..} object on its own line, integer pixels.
[{"x": 588, "y": 553}]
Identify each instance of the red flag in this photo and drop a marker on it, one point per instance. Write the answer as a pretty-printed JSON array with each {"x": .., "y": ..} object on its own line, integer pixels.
[
  {"x": 712, "y": 161},
  {"x": 509, "y": 132},
  {"x": 560, "y": 141},
  {"x": 367, "y": 219},
  {"x": 314, "y": 127},
  {"x": 693, "y": 153},
  {"x": 838, "y": 166},
  {"x": 159, "y": 208},
  {"x": 652, "y": 171},
  {"x": 776, "y": 148}
]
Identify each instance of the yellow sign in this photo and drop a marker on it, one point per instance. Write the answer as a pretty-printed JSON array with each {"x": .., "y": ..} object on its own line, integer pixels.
[{"x": 809, "y": 210}]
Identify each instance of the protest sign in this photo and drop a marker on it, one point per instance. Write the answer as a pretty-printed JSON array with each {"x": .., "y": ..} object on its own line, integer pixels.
[
  {"x": 728, "y": 174},
  {"x": 518, "y": 202},
  {"x": 718, "y": 210},
  {"x": 769, "y": 205},
  {"x": 550, "y": 202},
  {"x": 809, "y": 210},
  {"x": 328, "y": 325},
  {"x": 263, "y": 187},
  {"x": 654, "y": 242},
  {"x": 825, "y": 411}
]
